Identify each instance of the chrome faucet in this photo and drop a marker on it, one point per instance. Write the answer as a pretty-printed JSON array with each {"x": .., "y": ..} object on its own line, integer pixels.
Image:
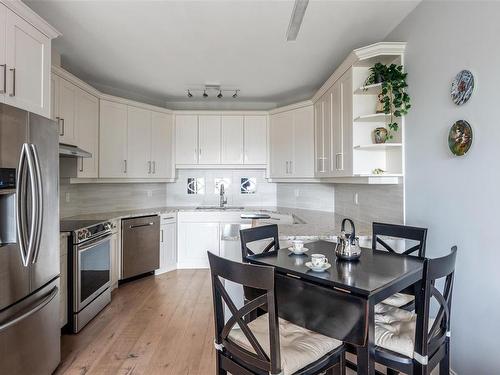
[{"x": 222, "y": 196}]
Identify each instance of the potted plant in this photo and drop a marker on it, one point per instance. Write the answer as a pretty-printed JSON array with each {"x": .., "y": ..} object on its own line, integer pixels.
[{"x": 394, "y": 98}]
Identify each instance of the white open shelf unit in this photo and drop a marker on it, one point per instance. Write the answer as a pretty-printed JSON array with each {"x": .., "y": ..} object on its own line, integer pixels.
[{"x": 367, "y": 155}]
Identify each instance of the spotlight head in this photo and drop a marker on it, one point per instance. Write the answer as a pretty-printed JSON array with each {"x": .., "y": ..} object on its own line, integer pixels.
[
  {"x": 189, "y": 94},
  {"x": 205, "y": 95},
  {"x": 220, "y": 94},
  {"x": 235, "y": 95}
]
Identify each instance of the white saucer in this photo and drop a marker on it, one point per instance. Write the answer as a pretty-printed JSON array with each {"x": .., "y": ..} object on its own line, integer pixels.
[
  {"x": 315, "y": 269},
  {"x": 300, "y": 252}
]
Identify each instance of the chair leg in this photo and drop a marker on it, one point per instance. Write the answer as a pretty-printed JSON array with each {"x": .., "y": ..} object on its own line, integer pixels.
[
  {"x": 339, "y": 368},
  {"x": 219, "y": 369},
  {"x": 444, "y": 365}
]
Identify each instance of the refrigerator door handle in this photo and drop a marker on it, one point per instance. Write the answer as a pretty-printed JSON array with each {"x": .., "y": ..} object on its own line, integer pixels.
[
  {"x": 44, "y": 302},
  {"x": 20, "y": 206},
  {"x": 39, "y": 206}
]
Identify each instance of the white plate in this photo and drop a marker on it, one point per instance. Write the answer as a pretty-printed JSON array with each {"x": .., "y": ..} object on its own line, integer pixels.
[
  {"x": 300, "y": 252},
  {"x": 320, "y": 269}
]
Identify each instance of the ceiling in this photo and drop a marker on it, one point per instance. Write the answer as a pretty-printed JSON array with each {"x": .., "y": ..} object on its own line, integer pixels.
[{"x": 153, "y": 51}]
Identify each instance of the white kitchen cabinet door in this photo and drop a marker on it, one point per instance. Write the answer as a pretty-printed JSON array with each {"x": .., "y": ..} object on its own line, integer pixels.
[
  {"x": 67, "y": 111},
  {"x": 112, "y": 140},
  {"x": 194, "y": 240},
  {"x": 186, "y": 139},
  {"x": 302, "y": 163},
  {"x": 139, "y": 163},
  {"x": 168, "y": 248},
  {"x": 162, "y": 143},
  {"x": 87, "y": 133},
  {"x": 54, "y": 97},
  {"x": 27, "y": 54},
  {"x": 255, "y": 140},
  {"x": 232, "y": 140},
  {"x": 209, "y": 137},
  {"x": 281, "y": 144},
  {"x": 3, "y": 61},
  {"x": 345, "y": 164},
  {"x": 323, "y": 135}
]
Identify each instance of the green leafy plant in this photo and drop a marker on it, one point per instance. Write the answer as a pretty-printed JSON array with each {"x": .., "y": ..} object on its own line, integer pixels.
[{"x": 394, "y": 97}]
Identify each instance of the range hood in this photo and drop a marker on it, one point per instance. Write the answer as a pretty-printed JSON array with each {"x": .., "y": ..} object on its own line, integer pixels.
[{"x": 72, "y": 151}]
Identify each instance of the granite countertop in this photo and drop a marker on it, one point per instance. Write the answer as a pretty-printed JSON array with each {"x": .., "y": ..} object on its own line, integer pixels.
[{"x": 308, "y": 224}]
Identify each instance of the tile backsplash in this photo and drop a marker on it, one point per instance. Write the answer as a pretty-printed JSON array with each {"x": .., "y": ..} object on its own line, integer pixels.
[
  {"x": 95, "y": 198},
  {"x": 264, "y": 193},
  {"x": 318, "y": 197},
  {"x": 384, "y": 203}
]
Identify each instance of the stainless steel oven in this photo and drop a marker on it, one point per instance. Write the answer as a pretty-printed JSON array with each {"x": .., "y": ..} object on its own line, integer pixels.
[{"x": 89, "y": 273}]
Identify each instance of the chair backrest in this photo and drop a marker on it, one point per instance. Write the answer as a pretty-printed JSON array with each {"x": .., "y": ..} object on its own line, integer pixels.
[
  {"x": 258, "y": 277},
  {"x": 429, "y": 339},
  {"x": 265, "y": 232},
  {"x": 402, "y": 232}
]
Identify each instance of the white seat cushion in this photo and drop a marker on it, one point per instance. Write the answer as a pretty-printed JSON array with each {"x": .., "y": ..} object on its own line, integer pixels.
[
  {"x": 299, "y": 346},
  {"x": 398, "y": 299},
  {"x": 395, "y": 329}
]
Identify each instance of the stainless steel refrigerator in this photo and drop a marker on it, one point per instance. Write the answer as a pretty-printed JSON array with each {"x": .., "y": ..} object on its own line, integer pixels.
[{"x": 29, "y": 243}]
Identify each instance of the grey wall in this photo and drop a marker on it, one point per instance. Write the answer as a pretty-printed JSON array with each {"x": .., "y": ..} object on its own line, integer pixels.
[
  {"x": 90, "y": 198},
  {"x": 457, "y": 197},
  {"x": 306, "y": 196}
]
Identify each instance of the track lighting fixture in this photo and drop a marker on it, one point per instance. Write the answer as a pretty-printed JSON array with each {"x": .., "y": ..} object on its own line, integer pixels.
[{"x": 206, "y": 91}]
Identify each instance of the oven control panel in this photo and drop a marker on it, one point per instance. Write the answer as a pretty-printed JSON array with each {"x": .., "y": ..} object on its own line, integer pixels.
[{"x": 84, "y": 234}]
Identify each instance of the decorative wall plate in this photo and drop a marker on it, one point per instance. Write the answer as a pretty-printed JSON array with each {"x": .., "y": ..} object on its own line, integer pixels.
[
  {"x": 462, "y": 87},
  {"x": 460, "y": 138}
]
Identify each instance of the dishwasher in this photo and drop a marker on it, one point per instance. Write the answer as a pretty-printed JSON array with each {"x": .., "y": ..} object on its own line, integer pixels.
[{"x": 140, "y": 245}]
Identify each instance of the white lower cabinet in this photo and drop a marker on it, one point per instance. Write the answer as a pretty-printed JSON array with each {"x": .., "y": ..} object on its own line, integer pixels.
[
  {"x": 168, "y": 244},
  {"x": 195, "y": 239}
]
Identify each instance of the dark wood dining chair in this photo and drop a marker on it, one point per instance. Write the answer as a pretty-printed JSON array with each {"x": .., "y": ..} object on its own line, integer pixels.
[
  {"x": 402, "y": 300},
  {"x": 416, "y": 343},
  {"x": 267, "y": 344},
  {"x": 261, "y": 233}
]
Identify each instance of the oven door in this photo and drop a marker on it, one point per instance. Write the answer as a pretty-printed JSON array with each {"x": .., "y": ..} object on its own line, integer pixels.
[{"x": 91, "y": 270}]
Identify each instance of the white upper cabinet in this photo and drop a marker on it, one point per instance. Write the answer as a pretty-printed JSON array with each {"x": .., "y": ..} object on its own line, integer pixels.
[
  {"x": 255, "y": 139},
  {"x": 87, "y": 133},
  {"x": 112, "y": 140},
  {"x": 25, "y": 58},
  {"x": 186, "y": 139},
  {"x": 139, "y": 163},
  {"x": 292, "y": 143},
  {"x": 67, "y": 94},
  {"x": 162, "y": 142},
  {"x": 232, "y": 140},
  {"x": 209, "y": 139}
]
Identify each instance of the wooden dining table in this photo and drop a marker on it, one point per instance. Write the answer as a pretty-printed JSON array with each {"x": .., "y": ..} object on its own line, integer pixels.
[{"x": 340, "y": 302}]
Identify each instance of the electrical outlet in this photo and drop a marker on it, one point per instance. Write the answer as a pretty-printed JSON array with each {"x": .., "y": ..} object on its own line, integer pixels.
[
  {"x": 67, "y": 197},
  {"x": 356, "y": 199},
  {"x": 150, "y": 193}
]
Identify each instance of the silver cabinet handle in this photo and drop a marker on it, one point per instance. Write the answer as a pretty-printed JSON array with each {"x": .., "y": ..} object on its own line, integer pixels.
[
  {"x": 125, "y": 166},
  {"x": 154, "y": 167},
  {"x": 44, "y": 302},
  {"x": 4, "y": 66},
  {"x": 13, "y": 93},
  {"x": 149, "y": 167},
  {"x": 81, "y": 164},
  {"x": 337, "y": 161},
  {"x": 161, "y": 236},
  {"x": 291, "y": 166},
  {"x": 286, "y": 167},
  {"x": 62, "y": 122},
  {"x": 195, "y": 154},
  {"x": 39, "y": 206}
]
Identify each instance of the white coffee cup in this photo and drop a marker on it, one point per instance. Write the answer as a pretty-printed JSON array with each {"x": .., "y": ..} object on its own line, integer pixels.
[
  {"x": 298, "y": 245},
  {"x": 318, "y": 260}
]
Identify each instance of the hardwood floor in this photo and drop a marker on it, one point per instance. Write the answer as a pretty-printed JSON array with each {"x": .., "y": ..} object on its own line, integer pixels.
[{"x": 156, "y": 325}]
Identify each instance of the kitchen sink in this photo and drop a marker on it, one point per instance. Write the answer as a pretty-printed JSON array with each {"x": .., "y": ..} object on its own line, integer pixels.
[{"x": 217, "y": 208}]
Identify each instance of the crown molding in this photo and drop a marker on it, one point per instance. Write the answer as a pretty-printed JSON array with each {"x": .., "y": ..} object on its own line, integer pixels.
[
  {"x": 291, "y": 107},
  {"x": 29, "y": 15},
  {"x": 75, "y": 80}
]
